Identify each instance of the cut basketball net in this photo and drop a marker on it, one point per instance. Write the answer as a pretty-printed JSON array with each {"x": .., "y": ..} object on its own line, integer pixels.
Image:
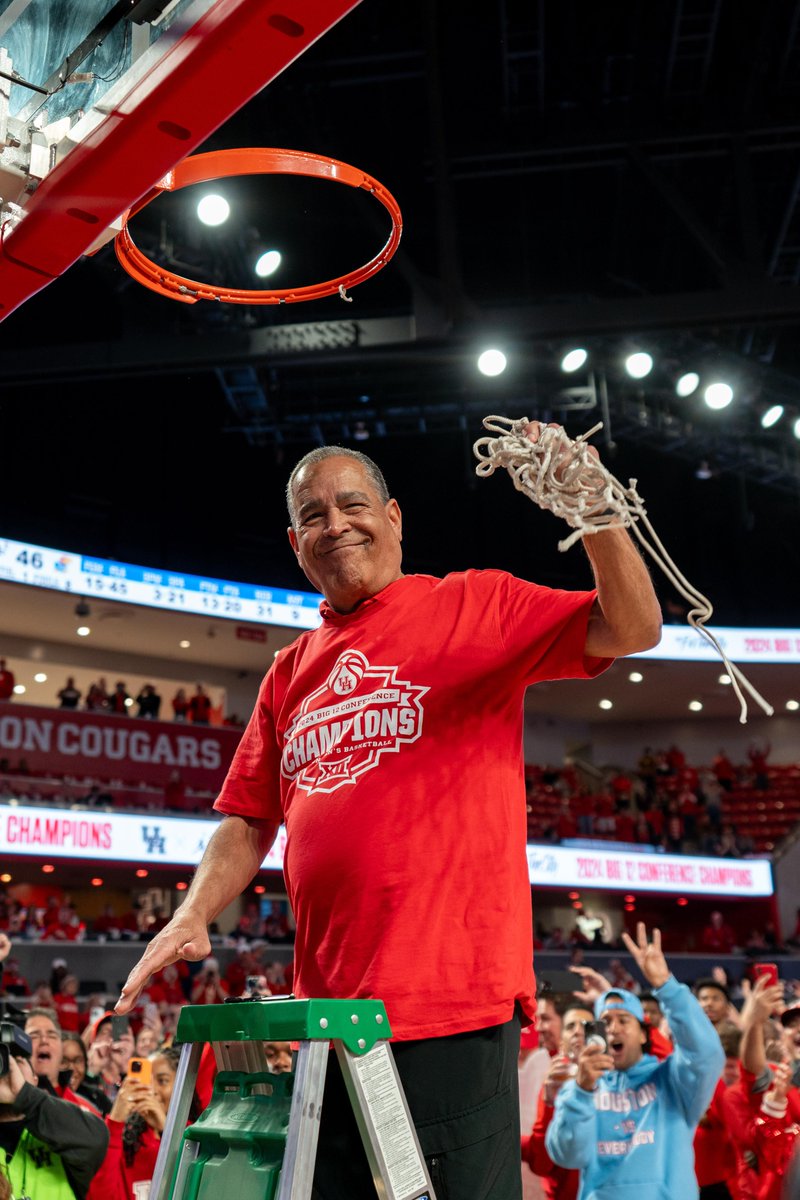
[
  {"x": 562, "y": 474},
  {"x": 222, "y": 164}
]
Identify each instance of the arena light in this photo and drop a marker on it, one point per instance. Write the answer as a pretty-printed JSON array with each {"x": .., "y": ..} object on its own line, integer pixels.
[
  {"x": 5, "y": 878},
  {"x": 19, "y": 689},
  {"x": 695, "y": 706},
  {"x": 771, "y": 416},
  {"x": 725, "y": 679},
  {"x": 96, "y": 882},
  {"x": 268, "y": 263},
  {"x": 639, "y": 364},
  {"x": 83, "y": 631},
  {"x": 185, "y": 644},
  {"x": 796, "y": 429},
  {"x": 181, "y": 887},
  {"x": 688, "y": 383},
  {"x": 48, "y": 869},
  {"x": 636, "y": 677},
  {"x": 718, "y": 395},
  {"x": 142, "y": 873},
  {"x": 492, "y": 362},
  {"x": 573, "y": 360},
  {"x": 213, "y": 209},
  {"x": 605, "y": 704},
  {"x": 792, "y": 705},
  {"x": 40, "y": 677}
]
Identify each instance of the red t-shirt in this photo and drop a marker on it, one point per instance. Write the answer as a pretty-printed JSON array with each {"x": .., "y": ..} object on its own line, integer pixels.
[
  {"x": 714, "y": 1150},
  {"x": 68, "y": 1013},
  {"x": 558, "y": 1183},
  {"x": 389, "y": 740}
]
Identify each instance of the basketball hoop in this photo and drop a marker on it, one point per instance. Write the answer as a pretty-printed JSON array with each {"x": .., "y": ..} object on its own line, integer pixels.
[{"x": 221, "y": 164}]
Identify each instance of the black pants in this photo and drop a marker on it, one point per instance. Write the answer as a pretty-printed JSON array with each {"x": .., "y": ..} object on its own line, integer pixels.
[{"x": 464, "y": 1100}]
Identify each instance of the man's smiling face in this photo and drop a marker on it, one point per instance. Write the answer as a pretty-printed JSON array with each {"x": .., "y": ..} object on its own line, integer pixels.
[{"x": 346, "y": 537}]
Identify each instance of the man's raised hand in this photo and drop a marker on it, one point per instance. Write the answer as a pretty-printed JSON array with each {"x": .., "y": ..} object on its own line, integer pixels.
[{"x": 648, "y": 956}]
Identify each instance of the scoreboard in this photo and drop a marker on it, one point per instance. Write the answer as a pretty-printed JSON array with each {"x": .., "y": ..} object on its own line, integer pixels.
[{"x": 151, "y": 587}]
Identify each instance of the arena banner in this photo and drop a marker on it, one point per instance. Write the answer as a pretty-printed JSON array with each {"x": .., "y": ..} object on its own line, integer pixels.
[
  {"x": 86, "y": 744},
  {"x": 615, "y": 869},
  {"x": 53, "y": 833},
  {"x": 180, "y": 841}
]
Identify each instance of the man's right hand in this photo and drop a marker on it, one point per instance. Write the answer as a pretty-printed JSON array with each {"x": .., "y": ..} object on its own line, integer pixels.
[
  {"x": 186, "y": 936},
  {"x": 592, "y": 1063},
  {"x": 762, "y": 1001}
]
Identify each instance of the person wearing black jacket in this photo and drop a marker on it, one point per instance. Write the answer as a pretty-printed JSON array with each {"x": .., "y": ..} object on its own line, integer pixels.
[{"x": 50, "y": 1149}]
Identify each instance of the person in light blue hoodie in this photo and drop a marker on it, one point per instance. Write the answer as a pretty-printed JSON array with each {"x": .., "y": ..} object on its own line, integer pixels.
[{"x": 627, "y": 1120}]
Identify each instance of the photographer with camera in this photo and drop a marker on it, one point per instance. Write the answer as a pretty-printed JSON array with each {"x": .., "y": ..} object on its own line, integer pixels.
[
  {"x": 50, "y": 1149},
  {"x": 627, "y": 1120}
]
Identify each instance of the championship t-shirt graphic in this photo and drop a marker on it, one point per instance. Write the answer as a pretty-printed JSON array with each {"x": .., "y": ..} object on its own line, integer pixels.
[{"x": 342, "y": 729}]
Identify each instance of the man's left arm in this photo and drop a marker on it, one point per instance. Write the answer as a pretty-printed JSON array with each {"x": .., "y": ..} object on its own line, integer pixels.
[
  {"x": 696, "y": 1062},
  {"x": 626, "y": 617}
]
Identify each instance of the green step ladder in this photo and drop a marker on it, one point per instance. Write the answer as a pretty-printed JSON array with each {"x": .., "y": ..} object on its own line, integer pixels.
[{"x": 257, "y": 1139}]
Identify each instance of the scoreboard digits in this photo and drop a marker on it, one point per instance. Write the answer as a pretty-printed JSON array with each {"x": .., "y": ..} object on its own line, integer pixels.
[{"x": 84, "y": 575}]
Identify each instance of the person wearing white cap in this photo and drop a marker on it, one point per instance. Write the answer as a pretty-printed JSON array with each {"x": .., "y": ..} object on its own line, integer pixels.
[{"x": 627, "y": 1121}]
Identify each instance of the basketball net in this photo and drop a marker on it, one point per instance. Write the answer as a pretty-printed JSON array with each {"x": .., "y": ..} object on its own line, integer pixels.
[{"x": 563, "y": 475}]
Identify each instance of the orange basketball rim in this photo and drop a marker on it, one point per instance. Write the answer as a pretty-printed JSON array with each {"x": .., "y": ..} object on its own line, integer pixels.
[{"x": 222, "y": 164}]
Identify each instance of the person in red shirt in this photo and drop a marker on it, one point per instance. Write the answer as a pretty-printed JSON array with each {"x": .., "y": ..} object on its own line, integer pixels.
[
  {"x": 763, "y": 1107},
  {"x": 135, "y": 1124},
  {"x": 180, "y": 705},
  {"x": 725, "y": 771},
  {"x": 199, "y": 711},
  {"x": 559, "y": 1183},
  {"x": 714, "y": 1147},
  {"x": 718, "y": 937},
  {"x": 7, "y": 681},
  {"x": 374, "y": 739},
  {"x": 66, "y": 1002}
]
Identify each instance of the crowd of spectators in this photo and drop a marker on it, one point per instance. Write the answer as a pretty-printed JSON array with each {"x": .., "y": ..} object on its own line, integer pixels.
[
  {"x": 194, "y": 706},
  {"x": 59, "y": 921},
  {"x": 650, "y": 1103},
  {"x": 81, "y": 1118},
  {"x": 720, "y": 810}
]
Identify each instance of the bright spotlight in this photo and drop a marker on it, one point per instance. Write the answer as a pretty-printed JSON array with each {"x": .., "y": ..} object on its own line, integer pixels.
[
  {"x": 83, "y": 631},
  {"x": 492, "y": 362},
  {"x": 718, "y": 395},
  {"x": 796, "y": 428},
  {"x": 573, "y": 360},
  {"x": 772, "y": 416},
  {"x": 638, "y": 365},
  {"x": 688, "y": 383},
  {"x": 213, "y": 209},
  {"x": 695, "y": 706},
  {"x": 268, "y": 263}
]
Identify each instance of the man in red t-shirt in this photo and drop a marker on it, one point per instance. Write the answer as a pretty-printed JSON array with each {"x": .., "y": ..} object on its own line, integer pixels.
[
  {"x": 389, "y": 742},
  {"x": 199, "y": 707}
]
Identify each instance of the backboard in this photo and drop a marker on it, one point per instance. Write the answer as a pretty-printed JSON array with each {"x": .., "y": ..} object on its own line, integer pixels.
[{"x": 98, "y": 101}]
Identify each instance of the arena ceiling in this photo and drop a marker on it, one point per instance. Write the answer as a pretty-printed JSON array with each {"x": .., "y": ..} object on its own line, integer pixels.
[{"x": 613, "y": 176}]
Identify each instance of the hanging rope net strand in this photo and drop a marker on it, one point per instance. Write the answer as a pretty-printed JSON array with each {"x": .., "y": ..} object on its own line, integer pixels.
[{"x": 565, "y": 476}]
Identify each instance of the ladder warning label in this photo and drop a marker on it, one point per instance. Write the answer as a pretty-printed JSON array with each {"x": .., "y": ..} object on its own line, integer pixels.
[{"x": 387, "y": 1112}]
